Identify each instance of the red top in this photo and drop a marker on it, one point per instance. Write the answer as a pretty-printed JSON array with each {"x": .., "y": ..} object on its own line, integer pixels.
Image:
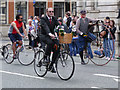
[{"x": 18, "y": 26}]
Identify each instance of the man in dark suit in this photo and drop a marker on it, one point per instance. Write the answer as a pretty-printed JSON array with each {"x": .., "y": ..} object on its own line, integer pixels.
[{"x": 48, "y": 24}]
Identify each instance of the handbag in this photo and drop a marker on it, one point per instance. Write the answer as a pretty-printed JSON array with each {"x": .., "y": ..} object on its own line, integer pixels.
[
  {"x": 91, "y": 37},
  {"x": 102, "y": 33}
]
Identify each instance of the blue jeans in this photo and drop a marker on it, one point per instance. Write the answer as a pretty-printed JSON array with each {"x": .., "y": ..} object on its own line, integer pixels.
[
  {"x": 73, "y": 48},
  {"x": 97, "y": 52},
  {"x": 111, "y": 46},
  {"x": 106, "y": 47},
  {"x": 89, "y": 50}
]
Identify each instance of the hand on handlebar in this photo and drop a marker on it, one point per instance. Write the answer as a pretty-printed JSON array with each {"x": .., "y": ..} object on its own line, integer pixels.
[
  {"x": 52, "y": 36},
  {"x": 83, "y": 35},
  {"x": 22, "y": 36}
]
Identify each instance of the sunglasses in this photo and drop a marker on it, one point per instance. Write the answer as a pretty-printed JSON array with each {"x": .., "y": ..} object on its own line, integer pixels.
[
  {"x": 51, "y": 11},
  {"x": 20, "y": 18},
  {"x": 107, "y": 22}
]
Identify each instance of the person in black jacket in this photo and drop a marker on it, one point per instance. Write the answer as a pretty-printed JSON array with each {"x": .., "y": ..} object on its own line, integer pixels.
[
  {"x": 69, "y": 19},
  {"x": 48, "y": 24},
  {"x": 112, "y": 38}
]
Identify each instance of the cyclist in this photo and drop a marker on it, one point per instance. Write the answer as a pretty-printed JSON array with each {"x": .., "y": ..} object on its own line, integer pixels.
[
  {"x": 82, "y": 29},
  {"x": 14, "y": 32},
  {"x": 48, "y": 24}
]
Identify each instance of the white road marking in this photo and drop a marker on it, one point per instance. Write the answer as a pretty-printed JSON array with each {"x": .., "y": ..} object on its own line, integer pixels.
[
  {"x": 18, "y": 74},
  {"x": 94, "y": 87},
  {"x": 105, "y": 75},
  {"x": 116, "y": 78}
]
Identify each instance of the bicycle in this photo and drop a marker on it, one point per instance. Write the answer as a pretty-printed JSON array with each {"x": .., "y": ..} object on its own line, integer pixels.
[
  {"x": 64, "y": 65},
  {"x": 24, "y": 54},
  {"x": 3, "y": 51},
  {"x": 97, "y": 44}
]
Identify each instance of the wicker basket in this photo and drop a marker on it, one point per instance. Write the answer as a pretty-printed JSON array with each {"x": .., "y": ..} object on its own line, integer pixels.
[{"x": 66, "y": 39}]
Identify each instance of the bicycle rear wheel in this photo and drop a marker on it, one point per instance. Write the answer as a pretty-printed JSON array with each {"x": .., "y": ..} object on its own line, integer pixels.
[
  {"x": 8, "y": 54},
  {"x": 26, "y": 55},
  {"x": 40, "y": 69},
  {"x": 65, "y": 66}
]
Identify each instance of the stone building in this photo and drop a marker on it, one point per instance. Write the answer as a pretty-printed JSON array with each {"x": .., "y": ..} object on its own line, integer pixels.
[
  {"x": 9, "y": 8},
  {"x": 96, "y": 9},
  {"x": 99, "y": 9}
]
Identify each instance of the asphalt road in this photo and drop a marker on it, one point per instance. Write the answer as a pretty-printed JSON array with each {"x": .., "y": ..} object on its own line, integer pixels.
[{"x": 86, "y": 76}]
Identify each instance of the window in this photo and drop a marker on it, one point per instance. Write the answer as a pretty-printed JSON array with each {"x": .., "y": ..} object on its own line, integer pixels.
[
  {"x": 40, "y": 8},
  {"x": 21, "y": 8},
  {"x": 74, "y": 9},
  {"x": 3, "y": 12},
  {"x": 59, "y": 9}
]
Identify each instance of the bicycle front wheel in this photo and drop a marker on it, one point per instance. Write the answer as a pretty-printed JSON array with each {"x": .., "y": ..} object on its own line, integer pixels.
[
  {"x": 8, "y": 54},
  {"x": 103, "y": 47},
  {"x": 40, "y": 69},
  {"x": 65, "y": 66},
  {"x": 26, "y": 55}
]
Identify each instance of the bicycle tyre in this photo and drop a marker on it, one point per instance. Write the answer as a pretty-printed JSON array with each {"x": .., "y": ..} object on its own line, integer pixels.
[
  {"x": 9, "y": 57},
  {"x": 26, "y": 55},
  {"x": 41, "y": 70},
  {"x": 101, "y": 61},
  {"x": 66, "y": 60}
]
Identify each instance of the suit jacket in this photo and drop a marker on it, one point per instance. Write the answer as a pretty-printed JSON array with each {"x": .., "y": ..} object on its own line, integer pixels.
[{"x": 46, "y": 27}]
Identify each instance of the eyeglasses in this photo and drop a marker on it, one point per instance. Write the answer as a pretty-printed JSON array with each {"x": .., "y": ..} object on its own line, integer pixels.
[
  {"x": 107, "y": 22},
  {"x": 51, "y": 11}
]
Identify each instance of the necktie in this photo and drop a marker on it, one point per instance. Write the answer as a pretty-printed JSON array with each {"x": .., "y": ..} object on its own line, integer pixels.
[{"x": 50, "y": 20}]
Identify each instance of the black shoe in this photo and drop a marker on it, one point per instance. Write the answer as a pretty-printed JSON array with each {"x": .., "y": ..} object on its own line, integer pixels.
[
  {"x": 30, "y": 48},
  {"x": 14, "y": 57},
  {"x": 39, "y": 64},
  {"x": 52, "y": 69},
  {"x": 83, "y": 63},
  {"x": 101, "y": 56}
]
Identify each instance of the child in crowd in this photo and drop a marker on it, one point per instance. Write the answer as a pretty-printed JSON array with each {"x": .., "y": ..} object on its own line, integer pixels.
[{"x": 73, "y": 45}]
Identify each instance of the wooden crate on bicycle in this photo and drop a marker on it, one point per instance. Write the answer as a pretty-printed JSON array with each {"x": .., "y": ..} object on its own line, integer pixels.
[{"x": 66, "y": 39}]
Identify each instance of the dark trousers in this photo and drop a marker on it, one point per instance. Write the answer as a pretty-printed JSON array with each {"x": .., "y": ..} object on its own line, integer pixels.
[
  {"x": 34, "y": 42},
  {"x": 52, "y": 45},
  {"x": 82, "y": 45},
  {"x": 30, "y": 40}
]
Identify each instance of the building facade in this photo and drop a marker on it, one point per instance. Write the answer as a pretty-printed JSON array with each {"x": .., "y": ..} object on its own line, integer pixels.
[
  {"x": 96, "y": 9},
  {"x": 9, "y": 8}
]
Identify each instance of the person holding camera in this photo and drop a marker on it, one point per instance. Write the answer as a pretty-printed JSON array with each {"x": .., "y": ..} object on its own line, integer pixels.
[{"x": 106, "y": 35}]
